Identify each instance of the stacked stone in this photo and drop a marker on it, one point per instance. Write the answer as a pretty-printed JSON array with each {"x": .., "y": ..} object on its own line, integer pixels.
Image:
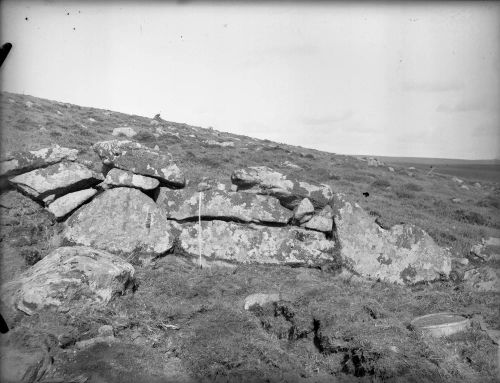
[
  {"x": 254, "y": 220},
  {"x": 54, "y": 179},
  {"x": 141, "y": 207},
  {"x": 51, "y": 177},
  {"x": 124, "y": 219},
  {"x": 238, "y": 226}
]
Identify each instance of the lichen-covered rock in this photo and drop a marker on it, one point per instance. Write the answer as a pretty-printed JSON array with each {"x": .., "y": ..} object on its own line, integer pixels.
[
  {"x": 483, "y": 279},
  {"x": 488, "y": 249},
  {"x": 403, "y": 254},
  {"x": 122, "y": 221},
  {"x": 304, "y": 211},
  {"x": 22, "y": 162},
  {"x": 57, "y": 180},
  {"x": 119, "y": 177},
  {"x": 264, "y": 180},
  {"x": 69, "y": 277},
  {"x": 229, "y": 243},
  {"x": 69, "y": 202},
  {"x": 241, "y": 207},
  {"x": 139, "y": 159},
  {"x": 323, "y": 221}
]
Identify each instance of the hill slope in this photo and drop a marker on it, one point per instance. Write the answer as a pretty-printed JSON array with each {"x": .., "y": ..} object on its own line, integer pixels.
[
  {"x": 327, "y": 326},
  {"x": 403, "y": 196}
]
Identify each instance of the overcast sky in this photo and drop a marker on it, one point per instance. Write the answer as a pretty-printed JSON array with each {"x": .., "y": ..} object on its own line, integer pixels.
[{"x": 399, "y": 79}]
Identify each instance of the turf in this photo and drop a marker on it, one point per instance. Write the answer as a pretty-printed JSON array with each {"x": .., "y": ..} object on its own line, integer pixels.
[{"x": 328, "y": 326}]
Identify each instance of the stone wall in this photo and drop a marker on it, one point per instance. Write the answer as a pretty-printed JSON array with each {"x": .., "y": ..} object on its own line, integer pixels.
[{"x": 139, "y": 209}]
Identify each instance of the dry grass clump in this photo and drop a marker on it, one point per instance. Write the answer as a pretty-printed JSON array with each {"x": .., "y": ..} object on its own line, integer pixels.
[
  {"x": 145, "y": 137},
  {"x": 412, "y": 187},
  {"x": 404, "y": 194},
  {"x": 490, "y": 201},
  {"x": 381, "y": 183},
  {"x": 470, "y": 217}
]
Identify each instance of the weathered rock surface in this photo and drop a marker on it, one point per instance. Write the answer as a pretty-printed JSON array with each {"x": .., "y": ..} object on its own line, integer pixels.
[
  {"x": 139, "y": 159},
  {"x": 22, "y": 162},
  {"x": 323, "y": 221},
  {"x": 484, "y": 279},
  {"x": 69, "y": 202},
  {"x": 228, "y": 242},
  {"x": 69, "y": 276},
  {"x": 403, "y": 254},
  {"x": 122, "y": 221},
  {"x": 240, "y": 207},
  {"x": 264, "y": 180},
  {"x": 488, "y": 249},
  {"x": 304, "y": 211},
  {"x": 119, "y": 177},
  {"x": 57, "y": 179},
  {"x": 124, "y": 131}
]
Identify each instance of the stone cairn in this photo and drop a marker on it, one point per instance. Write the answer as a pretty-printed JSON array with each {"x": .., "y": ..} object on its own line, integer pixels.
[{"x": 139, "y": 209}]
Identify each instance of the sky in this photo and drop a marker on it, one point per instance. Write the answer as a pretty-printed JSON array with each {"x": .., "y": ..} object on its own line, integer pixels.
[{"x": 390, "y": 79}]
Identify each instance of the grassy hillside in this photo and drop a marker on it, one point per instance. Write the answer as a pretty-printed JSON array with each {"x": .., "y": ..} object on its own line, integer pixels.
[
  {"x": 422, "y": 199},
  {"x": 331, "y": 326}
]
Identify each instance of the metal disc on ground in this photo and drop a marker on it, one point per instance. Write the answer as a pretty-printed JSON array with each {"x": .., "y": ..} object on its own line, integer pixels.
[{"x": 441, "y": 324}]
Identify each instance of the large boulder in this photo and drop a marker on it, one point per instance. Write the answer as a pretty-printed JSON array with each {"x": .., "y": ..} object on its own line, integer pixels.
[
  {"x": 139, "y": 159},
  {"x": 119, "y": 177},
  {"x": 69, "y": 202},
  {"x": 22, "y": 162},
  {"x": 405, "y": 254},
  {"x": 56, "y": 180},
  {"x": 241, "y": 207},
  {"x": 122, "y": 221},
  {"x": 228, "y": 242},
  {"x": 68, "y": 277},
  {"x": 264, "y": 180}
]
